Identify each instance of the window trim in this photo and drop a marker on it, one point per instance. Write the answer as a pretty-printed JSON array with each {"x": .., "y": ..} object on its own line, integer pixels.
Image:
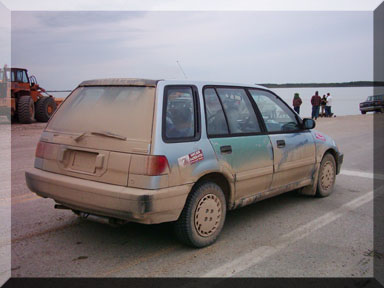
[
  {"x": 197, "y": 118},
  {"x": 297, "y": 117},
  {"x": 206, "y": 118},
  {"x": 261, "y": 124},
  {"x": 25, "y": 74}
]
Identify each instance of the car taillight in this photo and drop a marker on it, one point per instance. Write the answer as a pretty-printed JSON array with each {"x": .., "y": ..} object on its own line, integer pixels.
[
  {"x": 45, "y": 150},
  {"x": 39, "y": 153},
  {"x": 157, "y": 165}
]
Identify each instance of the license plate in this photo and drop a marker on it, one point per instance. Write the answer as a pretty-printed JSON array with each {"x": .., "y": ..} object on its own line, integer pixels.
[{"x": 83, "y": 161}]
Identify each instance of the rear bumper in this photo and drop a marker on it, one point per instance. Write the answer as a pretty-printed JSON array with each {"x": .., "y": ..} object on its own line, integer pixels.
[
  {"x": 340, "y": 159},
  {"x": 132, "y": 204}
]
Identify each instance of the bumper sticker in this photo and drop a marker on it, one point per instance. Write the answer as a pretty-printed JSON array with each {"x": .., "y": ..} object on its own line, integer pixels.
[{"x": 191, "y": 158}]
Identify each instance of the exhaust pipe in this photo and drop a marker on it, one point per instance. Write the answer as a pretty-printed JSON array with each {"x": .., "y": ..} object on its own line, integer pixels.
[
  {"x": 82, "y": 215},
  {"x": 59, "y": 206},
  {"x": 114, "y": 222}
]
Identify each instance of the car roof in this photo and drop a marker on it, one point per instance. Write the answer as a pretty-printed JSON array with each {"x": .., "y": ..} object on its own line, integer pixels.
[
  {"x": 209, "y": 83},
  {"x": 153, "y": 82},
  {"x": 120, "y": 82},
  {"x": 377, "y": 95}
]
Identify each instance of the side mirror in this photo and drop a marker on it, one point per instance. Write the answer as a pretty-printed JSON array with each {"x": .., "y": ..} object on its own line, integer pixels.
[{"x": 309, "y": 123}]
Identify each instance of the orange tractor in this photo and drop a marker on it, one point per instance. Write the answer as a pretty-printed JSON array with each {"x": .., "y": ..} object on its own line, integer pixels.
[{"x": 22, "y": 99}]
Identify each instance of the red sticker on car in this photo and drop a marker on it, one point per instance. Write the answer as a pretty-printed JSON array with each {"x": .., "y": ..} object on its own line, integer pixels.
[
  {"x": 196, "y": 156},
  {"x": 319, "y": 136},
  {"x": 191, "y": 158}
]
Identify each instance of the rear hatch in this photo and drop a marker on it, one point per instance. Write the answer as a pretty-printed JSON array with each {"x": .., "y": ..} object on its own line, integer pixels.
[{"x": 98, "y": 130}]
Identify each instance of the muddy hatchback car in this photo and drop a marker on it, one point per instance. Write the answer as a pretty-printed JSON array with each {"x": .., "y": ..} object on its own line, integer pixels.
[{"x": 152, "y": 151}]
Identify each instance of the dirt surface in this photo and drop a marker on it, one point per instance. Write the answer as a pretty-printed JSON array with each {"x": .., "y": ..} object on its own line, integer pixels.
[{"x": 286, "y": 236}]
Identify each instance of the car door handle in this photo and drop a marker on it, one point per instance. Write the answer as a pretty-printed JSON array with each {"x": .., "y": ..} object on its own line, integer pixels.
[
  {"x": 226, "y": 149},
  {"x": 280, "y": 143}
]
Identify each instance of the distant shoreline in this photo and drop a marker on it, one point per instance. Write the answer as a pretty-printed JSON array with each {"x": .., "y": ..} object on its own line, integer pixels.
[{"x": 314, "y": 85}]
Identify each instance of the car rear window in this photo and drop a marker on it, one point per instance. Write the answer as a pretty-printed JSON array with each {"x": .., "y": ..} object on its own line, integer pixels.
[{"x": 123, "y": 110}]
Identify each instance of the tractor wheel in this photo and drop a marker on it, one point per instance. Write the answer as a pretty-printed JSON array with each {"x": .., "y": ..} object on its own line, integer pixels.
[
  {"x": 14, "y": 118},
  {"x": 25, "y": 110},
  {"x": 44, "y": 108}
]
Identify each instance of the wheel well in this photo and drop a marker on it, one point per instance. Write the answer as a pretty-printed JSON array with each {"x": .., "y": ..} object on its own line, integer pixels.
[
  {"x": 220, "y": 180},
  {"x": 333, "y": 153},
  {"x": 21, "y": 93}
]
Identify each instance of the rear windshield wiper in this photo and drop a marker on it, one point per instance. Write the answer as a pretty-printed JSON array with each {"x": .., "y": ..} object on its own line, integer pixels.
[
  {"x": 109, "y": 134},
  {"x": 101, "y": 133}
]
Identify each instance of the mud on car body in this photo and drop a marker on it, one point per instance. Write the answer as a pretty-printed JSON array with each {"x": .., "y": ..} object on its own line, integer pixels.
[{"x": 153, "y": 151}]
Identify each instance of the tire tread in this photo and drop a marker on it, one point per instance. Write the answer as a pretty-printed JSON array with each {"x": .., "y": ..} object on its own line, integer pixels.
[
  {"x": 41, "y": 108},
  {"x": 23, "y": 109}
]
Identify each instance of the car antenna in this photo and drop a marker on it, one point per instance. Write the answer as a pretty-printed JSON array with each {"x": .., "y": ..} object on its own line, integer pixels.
[{"x": 177, "y": 61}]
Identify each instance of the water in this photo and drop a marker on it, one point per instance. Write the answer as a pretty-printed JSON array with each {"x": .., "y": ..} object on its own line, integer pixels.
[{"x": 345, "y": 101}]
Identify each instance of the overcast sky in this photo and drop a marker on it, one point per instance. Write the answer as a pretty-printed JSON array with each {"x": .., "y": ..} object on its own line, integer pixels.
[{"x": 65, "y": 48}]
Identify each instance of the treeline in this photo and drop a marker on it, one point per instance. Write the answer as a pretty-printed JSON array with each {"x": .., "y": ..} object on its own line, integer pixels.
[{"x": 314, "y": 85}]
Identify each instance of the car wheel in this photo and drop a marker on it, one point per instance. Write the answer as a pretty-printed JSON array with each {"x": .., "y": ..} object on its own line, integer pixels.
[
  {"x": 203, "y": 216},
  {"x": 363, "y": 112},
  {"x": 327, "y": 176}
]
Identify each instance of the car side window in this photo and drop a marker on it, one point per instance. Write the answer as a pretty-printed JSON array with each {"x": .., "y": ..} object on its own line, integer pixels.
[
  {"x": 215, "y": 118},
  {"x": 239, "y": 111},
  {"x": 179, "y": 113},
  {"x": 277, "y": 116}
]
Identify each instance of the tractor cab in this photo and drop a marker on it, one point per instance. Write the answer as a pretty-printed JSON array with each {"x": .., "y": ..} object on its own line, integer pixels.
[{"x": 19, "y": 75}]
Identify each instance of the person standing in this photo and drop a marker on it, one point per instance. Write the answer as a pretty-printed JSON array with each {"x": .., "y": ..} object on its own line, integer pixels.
[
  {"x": 297, "y": 103},
  {"x": 322, "y": 104},
  {"x": 315, "y": 101},
  {"x": 328, "y": 106}
]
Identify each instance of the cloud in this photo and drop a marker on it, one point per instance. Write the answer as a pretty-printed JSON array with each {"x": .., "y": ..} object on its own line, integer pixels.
[
  {"x": 65, "y": 48},
  {"x": 179, "y": 5}
]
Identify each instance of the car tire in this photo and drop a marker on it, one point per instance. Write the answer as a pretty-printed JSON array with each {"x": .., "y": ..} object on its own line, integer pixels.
[
  {"x": 26, "y": 110},
  {"x": 45, "y": 107},
  {"x": 363, "y": 112},
  {"x": 327, "y": 176},
  {"x": 203, "y": 216}
]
